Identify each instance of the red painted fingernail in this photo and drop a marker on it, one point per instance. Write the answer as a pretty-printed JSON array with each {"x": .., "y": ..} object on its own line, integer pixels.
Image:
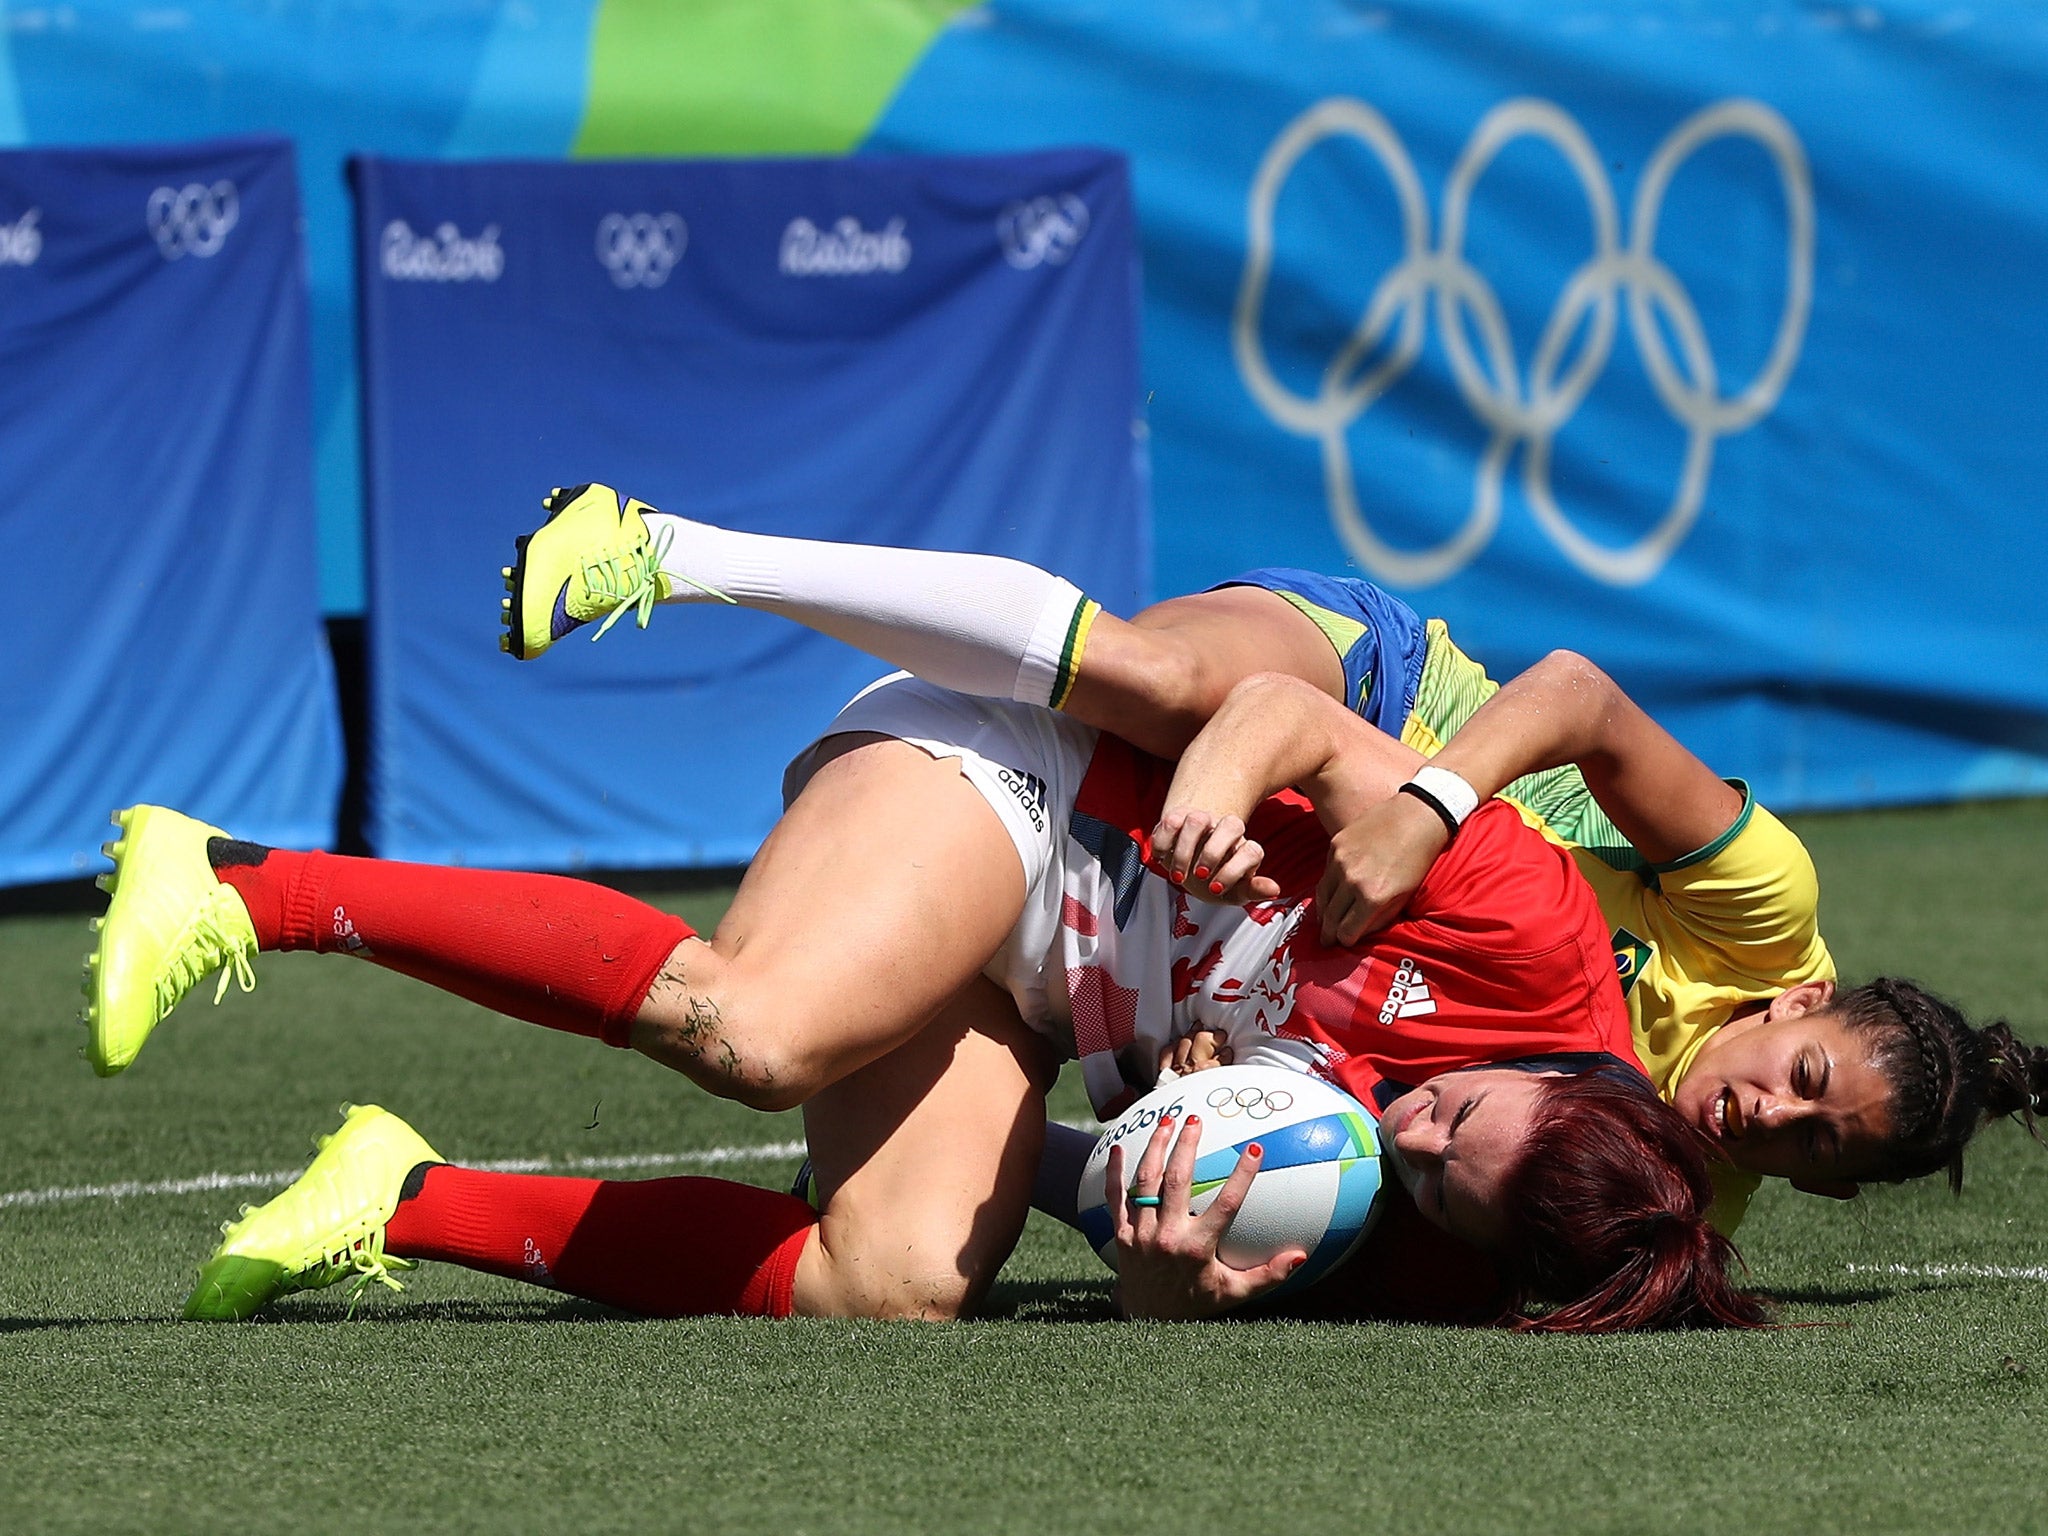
[
  {"x": 1215, "y": 887},
  {"x": 1256, "y": 1150},
  {"x": 1194, "y": 1120},
  {"x": 1201, "y": 871}
]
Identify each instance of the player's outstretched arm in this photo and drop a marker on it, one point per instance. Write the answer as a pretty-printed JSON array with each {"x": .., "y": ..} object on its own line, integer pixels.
[{"x": 1564, "y": 709}]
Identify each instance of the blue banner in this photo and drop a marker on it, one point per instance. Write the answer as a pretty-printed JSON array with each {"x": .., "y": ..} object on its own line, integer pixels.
[
  {"x": 156, "y": 502},
  {"x": 939, "y": 352},
  {"x": 1696, "y": 336},
  {"x": 1701, "y": 338}
]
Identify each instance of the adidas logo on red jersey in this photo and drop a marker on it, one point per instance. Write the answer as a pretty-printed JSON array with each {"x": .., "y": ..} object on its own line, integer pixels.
[{"x": 1409, "y": 994}]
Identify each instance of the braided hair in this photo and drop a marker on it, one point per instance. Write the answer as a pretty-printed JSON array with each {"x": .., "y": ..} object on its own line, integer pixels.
[{"x": 1947, "y": 1079}]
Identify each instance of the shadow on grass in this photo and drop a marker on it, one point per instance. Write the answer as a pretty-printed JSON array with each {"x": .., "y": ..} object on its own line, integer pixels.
[
  {"x": 1847, "y": 1295},
  {"x": 1048, "y": 1301},
  {"x": 553, "y": 1309}
]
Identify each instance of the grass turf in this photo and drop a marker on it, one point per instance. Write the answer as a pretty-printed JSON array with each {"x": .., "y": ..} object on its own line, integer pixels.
[{"x": 1919, "y": 1402}]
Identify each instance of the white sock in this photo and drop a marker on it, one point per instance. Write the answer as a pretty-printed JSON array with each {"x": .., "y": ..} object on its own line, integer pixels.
[{"x": 978, "y": 624}]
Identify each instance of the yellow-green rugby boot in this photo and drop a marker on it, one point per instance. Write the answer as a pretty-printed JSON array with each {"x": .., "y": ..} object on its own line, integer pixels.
[
  {"x": 327, "y": 1227},
  {"x": 593, "y": 558},
  {"x": 169, "y": 926}
]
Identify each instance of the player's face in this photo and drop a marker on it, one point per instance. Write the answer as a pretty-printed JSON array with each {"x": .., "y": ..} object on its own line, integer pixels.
[
  {"x": 1454, "y": 1140},
  {"x": 1791, "y": 1092}
]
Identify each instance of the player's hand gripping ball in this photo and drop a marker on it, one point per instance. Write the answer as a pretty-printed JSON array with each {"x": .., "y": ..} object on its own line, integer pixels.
[{"x": 1318, "y": 1186}]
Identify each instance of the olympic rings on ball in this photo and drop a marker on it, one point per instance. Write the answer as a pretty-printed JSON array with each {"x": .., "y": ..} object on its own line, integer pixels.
[{"x": 1252, "y": 1103}]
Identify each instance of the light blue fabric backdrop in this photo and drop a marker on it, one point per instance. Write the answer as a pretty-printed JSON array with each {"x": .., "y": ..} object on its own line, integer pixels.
[{"x": 1704, "y": 338}]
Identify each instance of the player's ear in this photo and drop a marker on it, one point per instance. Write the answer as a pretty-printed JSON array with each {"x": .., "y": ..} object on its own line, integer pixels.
[
  {"x": 1830, "y": 1189},
  {"x": 1807, "y": 997}
]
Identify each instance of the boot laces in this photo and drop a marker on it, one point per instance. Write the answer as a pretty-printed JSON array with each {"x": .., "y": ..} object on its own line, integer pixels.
[
  {"x": 365, "y": 1257},
  {"x": 210, "y": 942},
  {"x": 631, "y": 579}
]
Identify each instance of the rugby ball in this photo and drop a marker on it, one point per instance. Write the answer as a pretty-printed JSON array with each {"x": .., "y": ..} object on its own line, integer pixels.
[{"x": 1318, "y": 1186}]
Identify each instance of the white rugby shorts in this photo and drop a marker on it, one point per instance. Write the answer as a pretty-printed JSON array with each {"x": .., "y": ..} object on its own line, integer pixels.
[{"x": 1027, "y": 763}]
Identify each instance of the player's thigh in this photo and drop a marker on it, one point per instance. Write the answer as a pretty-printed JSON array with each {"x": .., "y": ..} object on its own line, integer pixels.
[
  {"x": 924, "y": 1162},
  {"x": 882, "y": 892},
  {"x": 1156, "y": 680}
]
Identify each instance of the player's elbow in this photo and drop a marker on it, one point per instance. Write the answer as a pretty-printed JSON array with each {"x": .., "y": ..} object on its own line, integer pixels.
[
  {"x": 1570, "y": 665},
  {"x": 1570, "y": 670}
]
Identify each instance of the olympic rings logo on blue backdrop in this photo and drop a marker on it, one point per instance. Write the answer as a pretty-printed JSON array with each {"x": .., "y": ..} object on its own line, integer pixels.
[
  {"x": 1044, "y": 231},
  {"x": 641, "y": 249},
  {"x": 1517, "y": 409},
  {"x": 192, "y": 220},
  {"x": 21, "y": 242}
]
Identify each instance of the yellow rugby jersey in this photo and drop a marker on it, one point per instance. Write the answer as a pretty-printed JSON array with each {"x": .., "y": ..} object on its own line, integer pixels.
[
  {"x": 1699, "y": 938},
  {"x": 1731, "y": 924}
]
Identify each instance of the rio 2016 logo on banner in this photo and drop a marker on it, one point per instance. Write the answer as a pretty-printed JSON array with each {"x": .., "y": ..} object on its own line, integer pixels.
[
  {"x": 844, "y": 250},
  {"x": 639, "y": 250},
  {"x": 442, "y": 257},
  {"x": 1513, "y": 408},
  {"x": 192, "y": 220}
]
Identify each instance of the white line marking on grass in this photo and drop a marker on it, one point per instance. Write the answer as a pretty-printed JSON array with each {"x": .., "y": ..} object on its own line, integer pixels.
[
  {"x": 702, "y": 1157},
  {"x": 705, "y": 1157},
  {"x": 2036, "y": 1272}
]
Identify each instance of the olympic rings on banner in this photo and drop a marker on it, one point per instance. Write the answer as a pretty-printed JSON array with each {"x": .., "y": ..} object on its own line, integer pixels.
[
  {"x": 1044, "y": 231},
  {"x": 192, "y": 220},
  {"x": 1513, "y": 408},
  {"x": 641, "y": 249}
]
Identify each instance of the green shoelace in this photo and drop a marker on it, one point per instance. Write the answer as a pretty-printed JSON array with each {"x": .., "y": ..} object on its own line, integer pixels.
[
  {"x": 633, "y": 580},
  {"x": 210, "y": 943}
]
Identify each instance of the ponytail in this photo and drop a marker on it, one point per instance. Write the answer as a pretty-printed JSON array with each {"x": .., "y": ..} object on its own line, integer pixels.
[
  {"x": 2015, "y": 1075},
  {"x": 1608, "y": 1218},
  {"x": 1947, "y": 1079}
]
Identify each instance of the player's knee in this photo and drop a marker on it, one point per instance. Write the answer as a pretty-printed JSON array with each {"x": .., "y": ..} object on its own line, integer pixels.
[
  {"x": 772, "y": 1090},
  {"x": 767, "y": 1075},
  {"x": 917, "y": 1294},
  {"x": 714, "y": 1048}
]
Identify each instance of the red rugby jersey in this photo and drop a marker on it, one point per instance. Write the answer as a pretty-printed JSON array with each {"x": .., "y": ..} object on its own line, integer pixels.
[{"x": 1501, "y": 954}]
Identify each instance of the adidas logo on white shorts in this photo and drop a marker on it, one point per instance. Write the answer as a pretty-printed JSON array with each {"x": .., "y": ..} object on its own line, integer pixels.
[
  {"x": 1408, "y": 996},
  {"x": 1029, "y": 789}
]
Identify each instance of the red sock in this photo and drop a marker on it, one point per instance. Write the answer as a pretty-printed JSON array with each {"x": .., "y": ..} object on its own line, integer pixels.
[
  {"x": 659, "y": 1247},
  {"x": 564, "y": 953}
]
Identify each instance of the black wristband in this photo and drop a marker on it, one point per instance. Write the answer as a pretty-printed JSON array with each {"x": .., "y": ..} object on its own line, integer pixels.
[{"x": 1444, "y": 811}]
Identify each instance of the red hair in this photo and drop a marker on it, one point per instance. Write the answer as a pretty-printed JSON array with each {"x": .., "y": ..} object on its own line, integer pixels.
[{"x": 1608, "y": 1217}]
